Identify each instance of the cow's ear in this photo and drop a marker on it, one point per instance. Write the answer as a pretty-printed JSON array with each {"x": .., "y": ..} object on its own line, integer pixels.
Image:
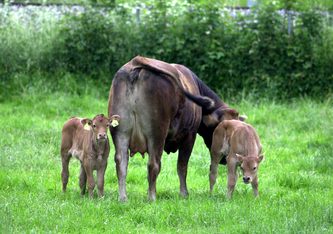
[
  {"x": 242, "y": 118},
  {"x": 86, "y": 121},
  {"x": 210, "y": 121},
  {"x": 240, "y": 157},
  {"x": 229, "y": 114},
  {"x": 260, "y": 158}
]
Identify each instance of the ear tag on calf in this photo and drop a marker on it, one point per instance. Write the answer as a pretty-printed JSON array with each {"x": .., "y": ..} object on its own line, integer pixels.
[
  {"x": 87, "y": 127},
  {"x": 114, "y": 123}
]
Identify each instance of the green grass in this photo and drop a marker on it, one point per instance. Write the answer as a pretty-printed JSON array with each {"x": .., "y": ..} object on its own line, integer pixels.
[{"x": 295, "y": 178}]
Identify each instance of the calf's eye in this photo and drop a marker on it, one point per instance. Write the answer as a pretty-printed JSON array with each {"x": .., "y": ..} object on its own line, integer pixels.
[
  {"x": 254, "y": 168},
  {"x": 94, "y": 126}
]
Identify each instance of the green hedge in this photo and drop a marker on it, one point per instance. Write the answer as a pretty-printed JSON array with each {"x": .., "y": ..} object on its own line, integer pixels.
[{"x": 251, "y": 52}]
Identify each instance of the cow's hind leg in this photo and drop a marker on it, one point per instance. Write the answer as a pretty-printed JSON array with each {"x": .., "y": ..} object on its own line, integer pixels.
[
  {"x": 121, "y": 159},
  {"x": 232, "y": 174},
  {"x": 182, "y": 164},
  {"x": 65, "y": 172},
  {"x": 82, "y": 180},
  {"x": 154, "y": 168}
]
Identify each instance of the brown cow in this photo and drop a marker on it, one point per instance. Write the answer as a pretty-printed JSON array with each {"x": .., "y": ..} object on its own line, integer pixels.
[
  {"x": 88, "y": 144},
  {"x": 150, "y": 95},
  {"x": 240, "y": 144}
]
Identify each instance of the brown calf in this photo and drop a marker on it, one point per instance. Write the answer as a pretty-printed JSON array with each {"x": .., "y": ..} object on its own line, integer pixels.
[
  {"x": 240, "y": 144},
  {"x": 91, "y": 146}
]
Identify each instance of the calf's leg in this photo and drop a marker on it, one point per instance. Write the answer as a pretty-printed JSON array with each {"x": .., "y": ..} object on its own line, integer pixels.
[
  {"x": 215, "y": 159},
  {"x": 64, "y": 172},
  {"x": 82, "y": 180},
  {"x": 90, "y": 178},
  {"x": 100, "y": 181},
  {"x": 232, "y": 174},
  {"x": 254, "y": 184}
]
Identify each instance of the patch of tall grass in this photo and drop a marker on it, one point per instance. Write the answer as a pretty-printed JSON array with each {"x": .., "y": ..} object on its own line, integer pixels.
[{"x": 26, "y": 33}]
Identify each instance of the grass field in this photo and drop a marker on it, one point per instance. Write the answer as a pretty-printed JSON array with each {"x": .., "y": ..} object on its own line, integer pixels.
[{"x": 295, "y": 178}]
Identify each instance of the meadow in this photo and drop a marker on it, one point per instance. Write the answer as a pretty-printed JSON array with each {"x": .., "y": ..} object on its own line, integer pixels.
[{"x": 295, "y": 178}]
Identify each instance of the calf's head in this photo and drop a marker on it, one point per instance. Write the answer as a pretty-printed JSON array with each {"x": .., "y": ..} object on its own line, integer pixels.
[
  {"x": 99, "y": 125},
  {"x": 249, "y": 167}
]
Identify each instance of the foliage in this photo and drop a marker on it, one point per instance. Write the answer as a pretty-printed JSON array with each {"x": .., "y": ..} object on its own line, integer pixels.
[
  {"x": 92, "y": 42},
  {"x": 231, "y": 51}
]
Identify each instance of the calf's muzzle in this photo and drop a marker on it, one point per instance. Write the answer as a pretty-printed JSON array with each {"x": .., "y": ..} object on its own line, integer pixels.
[
  {"x": 102, "y": 136},
  {"x": 246, "y": 179}
]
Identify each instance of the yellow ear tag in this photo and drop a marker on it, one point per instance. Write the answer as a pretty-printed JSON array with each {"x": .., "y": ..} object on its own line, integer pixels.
[
  {"x": 87, "y": 127},
  {"x": 114, "y": 123}
]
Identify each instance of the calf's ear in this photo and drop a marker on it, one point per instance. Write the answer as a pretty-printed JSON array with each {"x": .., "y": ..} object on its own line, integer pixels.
[
  {"x": 240, "y": 157},
  {"x": 85, "y": 121},
  {"x": 114, "y": 117},
  {"x": 114, "y": 120},
  {"x": 260, "y": 158}
]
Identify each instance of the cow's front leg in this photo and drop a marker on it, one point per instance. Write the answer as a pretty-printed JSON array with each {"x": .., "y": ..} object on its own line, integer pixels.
[
  {"x": 255, "y": 184},
  {"x": 121, "y": 159},
  {"x": 82, "y": 180},
  {"x": 232, "y": 174},
  {"x": 100, "y": 180}
]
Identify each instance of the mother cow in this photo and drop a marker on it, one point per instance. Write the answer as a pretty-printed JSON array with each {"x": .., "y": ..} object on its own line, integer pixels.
[{"x": 150, "y": 96}]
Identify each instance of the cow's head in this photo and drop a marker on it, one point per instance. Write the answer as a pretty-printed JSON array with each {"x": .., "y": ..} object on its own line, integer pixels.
[
  {"x": 249, "y": 167},
  {"x": 99, "y": 125},
  {"x": 221, "y": 114}
]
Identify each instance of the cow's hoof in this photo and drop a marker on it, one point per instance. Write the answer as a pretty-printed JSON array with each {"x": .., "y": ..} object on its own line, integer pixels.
[
  {"x": 123, "y": 199},
  {"x": 183, "y": 195},
  {"x": 151, "y": 199}
]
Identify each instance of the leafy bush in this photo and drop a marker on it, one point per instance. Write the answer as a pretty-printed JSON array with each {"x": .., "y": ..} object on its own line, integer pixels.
[
  {"x": 231, "y": 51},
  {"x": 91, "y": 42},
  {"x": 252, "y": 51}
]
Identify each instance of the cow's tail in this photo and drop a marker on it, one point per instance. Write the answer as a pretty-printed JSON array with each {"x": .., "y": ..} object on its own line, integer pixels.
[{"x": 203, "y": 101}]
